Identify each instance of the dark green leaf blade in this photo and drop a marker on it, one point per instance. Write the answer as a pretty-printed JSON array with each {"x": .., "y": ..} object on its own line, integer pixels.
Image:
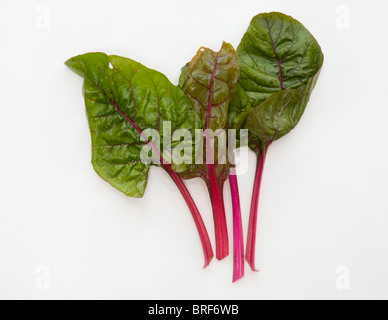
[{"x": 276, "y": 53}]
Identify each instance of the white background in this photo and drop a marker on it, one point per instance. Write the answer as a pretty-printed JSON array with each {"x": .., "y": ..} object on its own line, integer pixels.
[{"x": 324, "y": 197}]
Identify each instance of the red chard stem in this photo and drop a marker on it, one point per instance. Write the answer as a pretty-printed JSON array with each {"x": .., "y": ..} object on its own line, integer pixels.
[
  {"x": 238, "y": 241},
  {"x": 220, "y": 226},
  {"x": 203, "y": 235},
  {"x": 251, "y": 240}
]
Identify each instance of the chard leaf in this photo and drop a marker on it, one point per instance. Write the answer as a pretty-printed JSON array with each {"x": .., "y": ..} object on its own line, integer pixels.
[
  {"x": 123, "y": 98},
  {"x": 280, "y": 62},
  {"x": 210, "y": 81},
  {"x": 276, "y": 53}
]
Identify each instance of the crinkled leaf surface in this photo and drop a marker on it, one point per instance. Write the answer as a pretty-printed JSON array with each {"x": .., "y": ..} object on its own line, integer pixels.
[
  {"x": 276, "y": 53},
  {"x": 239, "y": 106},
  {"x": 239, "y": 109},
  {"x": 123, "y": 98},
  {"x": 210, "y": 81},
  {"x": 278, "y": 115}
]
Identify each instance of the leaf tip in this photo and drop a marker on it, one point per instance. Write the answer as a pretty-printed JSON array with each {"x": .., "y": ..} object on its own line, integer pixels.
[{"x": 75, "y": 65}]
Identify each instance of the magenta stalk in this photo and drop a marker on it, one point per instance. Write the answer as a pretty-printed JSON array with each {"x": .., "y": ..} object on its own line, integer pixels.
[
  {"x": 252, "y": 228},
  {"x": 220, "y": 226},
  {"x": 238, "y": 240},
  {"x": 203, "y": 235}
]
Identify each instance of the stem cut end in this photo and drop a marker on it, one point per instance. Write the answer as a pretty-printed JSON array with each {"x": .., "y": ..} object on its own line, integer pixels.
[{"x": 208, "y": 260}]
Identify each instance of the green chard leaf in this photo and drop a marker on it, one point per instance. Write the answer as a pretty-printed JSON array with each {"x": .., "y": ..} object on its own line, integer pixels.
[
  {"x": 280, "y": 63},
  {"x": 210, "y": 81},
  {"x": 123, "y": 98}
]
